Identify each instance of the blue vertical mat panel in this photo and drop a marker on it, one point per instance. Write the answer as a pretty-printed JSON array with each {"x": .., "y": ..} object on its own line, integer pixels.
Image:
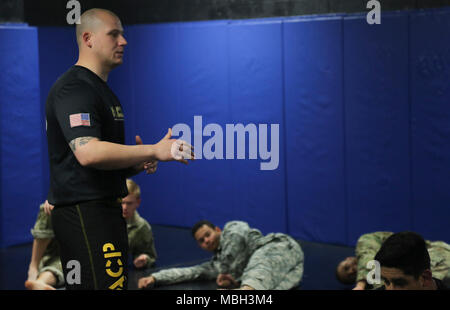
[
  {"x": 377, "y": 124},
  {"x": 430, "y": 123},
  {"x": 20, "y": 128},
  {"x": 203, "y": 78},
  {"x": 256, "y": 97},
  {"x": 53, "y": 62},
  {"x": 156, "y": 101},
  {"x": 314, "y": 129}
]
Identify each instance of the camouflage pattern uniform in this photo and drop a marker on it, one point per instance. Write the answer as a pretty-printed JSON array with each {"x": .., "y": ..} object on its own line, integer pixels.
[
  {"x": 50, "y": 260},
  {"x": 369, "y": 244},
  {"x": 140, "y": 239},
  {"x": 274, "y": 261}
]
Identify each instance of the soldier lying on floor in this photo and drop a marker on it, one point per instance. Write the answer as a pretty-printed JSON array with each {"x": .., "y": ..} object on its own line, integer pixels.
[{"x": 243, "y": 258}]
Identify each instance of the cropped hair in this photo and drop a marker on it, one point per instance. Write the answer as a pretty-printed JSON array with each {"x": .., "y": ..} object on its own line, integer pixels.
[
  {"x": 406, "y": 251},
  {"x": 133, "y": 188},
  {"x": 200, "y": 224}
]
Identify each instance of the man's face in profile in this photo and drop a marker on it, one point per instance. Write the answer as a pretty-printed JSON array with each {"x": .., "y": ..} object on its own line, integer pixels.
[{"x": 109, "y": 42}]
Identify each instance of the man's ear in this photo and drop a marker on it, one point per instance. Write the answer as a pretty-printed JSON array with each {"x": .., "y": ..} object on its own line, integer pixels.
[
  {"x": 86, "y": 36},
  {"x": 138, "y": 202},
  {"x": 218, "y": 229}
]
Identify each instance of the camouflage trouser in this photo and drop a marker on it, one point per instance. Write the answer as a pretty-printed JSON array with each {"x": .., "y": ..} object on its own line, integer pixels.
[
  {"x": 277, "y": 265},
  {"x": 52, "y": 264},
  {"x": 440, "y": 260},
  {"x": 50, "y": 261}
]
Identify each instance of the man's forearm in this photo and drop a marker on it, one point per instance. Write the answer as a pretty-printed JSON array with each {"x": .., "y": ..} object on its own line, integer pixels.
[
  {"x": 103, "y": 155},
  {"x": 176, "y": 275}
]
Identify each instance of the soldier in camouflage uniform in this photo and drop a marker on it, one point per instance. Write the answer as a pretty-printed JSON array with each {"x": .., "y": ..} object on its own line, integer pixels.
[
  {"x": 45, "y": 271},
  {"x": 140, "y": 235},
  {"x": 354, "y": 269},
  {"x": 243, "y": 258}
]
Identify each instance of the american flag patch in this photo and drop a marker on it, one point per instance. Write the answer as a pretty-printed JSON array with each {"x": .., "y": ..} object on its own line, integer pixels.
[{"x": 80, "y": 119}]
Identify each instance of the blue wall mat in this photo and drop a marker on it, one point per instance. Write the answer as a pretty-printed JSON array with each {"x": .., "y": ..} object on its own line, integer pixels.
[
  {"x": 20, "y": 126},
  {"x": 315, "y": 129},
  {"x": 156, "y": 99},
  {"x": 256, "y": 97},
  {"x": 362, "y": 114},
  {"x": 430, "y": 119},
  {"x": 377, "y": 124},
  {"x": 53, "y": 62},
  {"x": 203, "y": 83}
]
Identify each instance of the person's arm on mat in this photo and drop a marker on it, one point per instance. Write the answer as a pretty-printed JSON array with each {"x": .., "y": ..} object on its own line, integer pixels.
[{"x": 204, "y": 271}]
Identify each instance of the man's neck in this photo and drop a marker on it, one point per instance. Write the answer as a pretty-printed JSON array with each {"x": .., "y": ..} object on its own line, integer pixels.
[{"x": 96, "y": 68}]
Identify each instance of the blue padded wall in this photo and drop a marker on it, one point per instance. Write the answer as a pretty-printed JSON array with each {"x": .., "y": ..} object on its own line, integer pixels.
[
  {"x": 256, "y": 97},
  {"x": 377, "y": 124},
  {"x": 21, "y": 176},
  {"x": 343, "y": 103},
  {"x": 204, "y": 69},
  {"x": 362, "y": 114},
  {"x": 154, "y": 76},
  {"x": 202, "y": 66},
  {"x": 430, "y": 123},
  {"x": 315, "y": 129}
]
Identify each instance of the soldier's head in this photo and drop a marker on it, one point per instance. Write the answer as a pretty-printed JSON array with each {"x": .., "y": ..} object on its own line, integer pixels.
[
  {"x": 346, "y": 270},
  {"x": 405, "y": 262},
  {"x": 207, "y": 235},
  {"x": 100, "y": 38},
  {"x": 131, "y": 202}
]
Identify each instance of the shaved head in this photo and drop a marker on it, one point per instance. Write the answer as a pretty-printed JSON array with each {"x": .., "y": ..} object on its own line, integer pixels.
[
  {"x": 101, "y": 41},
  {"x": 89, "y": 22}
]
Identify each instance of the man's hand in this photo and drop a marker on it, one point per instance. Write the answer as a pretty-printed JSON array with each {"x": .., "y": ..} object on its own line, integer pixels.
[
  {"x": 48, "y": 207},
  {"x": 226, "y": 280},
  {"x": 148, "y": 166},
  {"x": 141, "y": 261},
  {"x": 170, "y": 149},
  {"x": 146, "y": 282},
  {"x": 360, "y": 286}
]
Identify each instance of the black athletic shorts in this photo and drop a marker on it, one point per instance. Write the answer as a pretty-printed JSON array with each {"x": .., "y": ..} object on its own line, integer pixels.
[{"x": 93, "y": 244}]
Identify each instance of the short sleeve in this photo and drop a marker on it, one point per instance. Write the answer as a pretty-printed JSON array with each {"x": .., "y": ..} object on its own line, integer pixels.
[{"x": 77, "y": 108}]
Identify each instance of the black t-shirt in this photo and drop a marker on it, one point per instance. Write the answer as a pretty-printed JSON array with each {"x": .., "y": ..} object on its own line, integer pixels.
[{"x": 80, "y": 104}]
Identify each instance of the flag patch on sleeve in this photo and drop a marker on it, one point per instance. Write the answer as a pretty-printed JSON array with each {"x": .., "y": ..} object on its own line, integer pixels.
[{"x": 80, "y": 119}]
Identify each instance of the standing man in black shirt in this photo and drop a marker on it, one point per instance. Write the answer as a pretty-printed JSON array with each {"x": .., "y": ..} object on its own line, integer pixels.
[{"x": 89, "y": 162}]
